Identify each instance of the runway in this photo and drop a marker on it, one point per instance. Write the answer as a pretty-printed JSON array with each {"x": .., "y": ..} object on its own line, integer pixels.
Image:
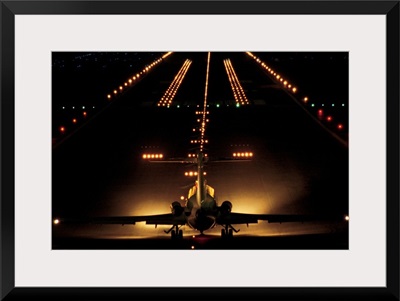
[{"x": 297, "y": 167}]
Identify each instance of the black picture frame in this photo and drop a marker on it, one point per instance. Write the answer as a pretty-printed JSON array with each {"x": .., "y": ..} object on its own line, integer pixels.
[{"x": 11, "y": 8}]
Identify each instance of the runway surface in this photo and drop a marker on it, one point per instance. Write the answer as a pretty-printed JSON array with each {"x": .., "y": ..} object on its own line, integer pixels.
[{"x": 297, "y": 167}]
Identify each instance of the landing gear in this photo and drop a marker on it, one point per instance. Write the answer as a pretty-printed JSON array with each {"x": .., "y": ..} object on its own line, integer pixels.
[
  {"x": 176, "y": 233},
  {"x": 227, "y": 232}
]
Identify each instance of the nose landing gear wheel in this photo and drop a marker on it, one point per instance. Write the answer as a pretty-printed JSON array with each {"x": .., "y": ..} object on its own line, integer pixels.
[
  {"x": 227, "y": 231},
  {"x": 176, "y": 233}
]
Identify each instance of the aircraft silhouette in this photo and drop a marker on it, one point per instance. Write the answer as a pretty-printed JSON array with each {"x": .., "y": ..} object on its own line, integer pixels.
[{"x": 201, "y": 212}]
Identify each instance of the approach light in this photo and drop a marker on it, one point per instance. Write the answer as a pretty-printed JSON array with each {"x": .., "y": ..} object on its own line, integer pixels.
[
  {"x": 56, "y": 221},
  {"x": 294, "y": 90},
  {"x": 347, "y": 218},
  {"x": 109, "y": 96}
]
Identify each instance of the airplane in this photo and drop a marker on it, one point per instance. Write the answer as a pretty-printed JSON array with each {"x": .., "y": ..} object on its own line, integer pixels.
[{"x": 201, "y": 212}]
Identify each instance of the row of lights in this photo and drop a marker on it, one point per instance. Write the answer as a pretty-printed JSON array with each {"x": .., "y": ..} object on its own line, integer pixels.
[
  {"x": 195, "y": 155},
  {"x": 329, "y": 119},
  {"x": 133, "y": 79},
  {"x": 169, "y": 95},
  {"x": 198, "y": 141},
  {"x": 238, "y": 92},
  {"x": 152, "y": 156},
  {"x": 204, "y": 115},
  {"x": 193, "y": 173},
  {"x": 273, "y": 73},
  {"x": 73, "y": 107},
  {"x": 74, "y": 121},
  {"x": 243, "y": 155}
]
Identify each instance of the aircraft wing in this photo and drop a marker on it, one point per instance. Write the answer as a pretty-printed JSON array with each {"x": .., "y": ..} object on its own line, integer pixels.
[
  {"x": 160, "y": 219},
  {"x": 244, "y": 218}
]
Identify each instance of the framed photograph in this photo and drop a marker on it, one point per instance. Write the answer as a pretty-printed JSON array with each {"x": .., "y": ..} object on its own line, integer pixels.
[{"x": 200, "y": 149}]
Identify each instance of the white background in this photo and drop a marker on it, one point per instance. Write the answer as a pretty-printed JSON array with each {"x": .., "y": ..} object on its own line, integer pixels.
[{"x": 364, "y": 264}]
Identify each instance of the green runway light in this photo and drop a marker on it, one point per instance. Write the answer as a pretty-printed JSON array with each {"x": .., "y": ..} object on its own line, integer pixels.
[
  {"x": 178, "y": 106},
  {"x": 237, "y": 105},
  {"x": 217, "y": 105},
  {"x": 312, "y": 105},
  {"x": 333, "y": 105}
]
